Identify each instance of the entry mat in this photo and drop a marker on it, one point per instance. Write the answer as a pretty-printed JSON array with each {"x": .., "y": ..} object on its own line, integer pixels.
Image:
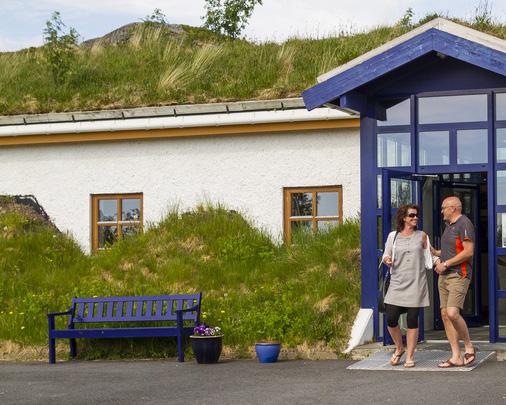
[{"x": 426, "y": 360}]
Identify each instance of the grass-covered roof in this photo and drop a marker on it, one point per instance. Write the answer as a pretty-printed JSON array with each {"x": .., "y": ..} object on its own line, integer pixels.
[{"x": 156, "y": 66}]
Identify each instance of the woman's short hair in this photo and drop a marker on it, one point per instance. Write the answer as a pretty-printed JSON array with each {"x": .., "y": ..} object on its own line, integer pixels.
[{"x": 402, "y": 213}]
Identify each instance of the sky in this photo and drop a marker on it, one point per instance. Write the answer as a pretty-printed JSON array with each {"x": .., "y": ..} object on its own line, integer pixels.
[{"x": 22, "y": 21}]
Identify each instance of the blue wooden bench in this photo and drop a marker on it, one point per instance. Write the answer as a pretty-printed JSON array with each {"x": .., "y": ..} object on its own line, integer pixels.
[{"x": 175, "y": 309}]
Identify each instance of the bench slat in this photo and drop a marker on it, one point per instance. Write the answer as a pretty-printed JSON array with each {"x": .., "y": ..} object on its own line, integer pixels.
[
  {"x": 159, "y": 307},
  {"x": 100, "y": 311},
  {"x": 108, "y": 313},
  {"x": 129, "y": 306},
  {"x": 149, "y": 309}
]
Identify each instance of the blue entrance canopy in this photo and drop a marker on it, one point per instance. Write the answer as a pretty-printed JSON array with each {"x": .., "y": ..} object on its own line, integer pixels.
[{"x": 355, "y": 85}]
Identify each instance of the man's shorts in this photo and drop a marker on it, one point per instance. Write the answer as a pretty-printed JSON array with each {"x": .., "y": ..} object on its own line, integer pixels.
[{"x": 452, "y": 290}]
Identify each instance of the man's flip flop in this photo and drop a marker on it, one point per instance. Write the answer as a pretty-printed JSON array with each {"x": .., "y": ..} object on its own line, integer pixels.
[
  {"x": 469, "y": 358},
  {"x": 448, "y": 364}
]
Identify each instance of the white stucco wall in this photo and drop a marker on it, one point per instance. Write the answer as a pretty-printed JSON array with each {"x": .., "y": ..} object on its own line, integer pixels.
[{"x": 246, "y": 173}]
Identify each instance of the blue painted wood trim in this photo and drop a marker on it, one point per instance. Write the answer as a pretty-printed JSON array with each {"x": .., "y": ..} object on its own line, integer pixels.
[
  {"x": 368, "y": 70},
  {"x": 492, "y": 218},
  {"x": 393, "y": 58},
  {"x": 368, "y": 224},
  {"x": 470, "y": 52}
]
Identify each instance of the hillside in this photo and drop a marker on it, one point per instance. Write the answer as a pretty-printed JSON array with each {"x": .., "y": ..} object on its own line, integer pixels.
[
  {"x": 305, "y": 295},
  {"x": 165, "y": 65}
]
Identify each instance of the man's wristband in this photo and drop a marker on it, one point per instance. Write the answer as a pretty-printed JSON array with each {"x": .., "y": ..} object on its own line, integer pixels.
[{"x": 445, "y": 264}]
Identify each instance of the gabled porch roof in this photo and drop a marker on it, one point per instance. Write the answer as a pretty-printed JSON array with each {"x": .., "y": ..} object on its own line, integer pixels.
[{"x": 346, "y": 86}]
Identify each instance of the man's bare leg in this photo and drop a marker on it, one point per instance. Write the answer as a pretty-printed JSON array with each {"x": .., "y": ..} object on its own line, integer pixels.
[
  {"x": 453, "y": 337},
  {"x": 460, "y": 326}
]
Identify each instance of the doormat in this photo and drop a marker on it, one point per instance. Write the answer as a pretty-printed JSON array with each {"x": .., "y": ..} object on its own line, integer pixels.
[{"x": 426, "y": 360}]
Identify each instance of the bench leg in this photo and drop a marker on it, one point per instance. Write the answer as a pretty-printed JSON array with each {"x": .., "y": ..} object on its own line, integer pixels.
[
  {"x": 73, "y": 348},
  {"x": 180, "y": 348},
  {"x": 52, "y": 351}
]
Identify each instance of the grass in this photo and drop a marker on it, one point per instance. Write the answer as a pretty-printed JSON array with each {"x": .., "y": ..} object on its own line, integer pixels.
[
  {"x": 154, "y": 68},
  {"x": 304, "y": 295}
]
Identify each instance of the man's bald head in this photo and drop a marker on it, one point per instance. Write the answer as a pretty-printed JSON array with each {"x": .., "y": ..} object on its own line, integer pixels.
[{"x": 451, "y": 208}]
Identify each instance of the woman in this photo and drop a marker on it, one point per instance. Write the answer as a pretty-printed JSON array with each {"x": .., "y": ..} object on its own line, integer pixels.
[{"x": 405, "y": 251}]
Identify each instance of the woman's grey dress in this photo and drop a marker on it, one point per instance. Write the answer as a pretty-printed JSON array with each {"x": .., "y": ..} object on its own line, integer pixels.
[{"x": 408, "y": 280}]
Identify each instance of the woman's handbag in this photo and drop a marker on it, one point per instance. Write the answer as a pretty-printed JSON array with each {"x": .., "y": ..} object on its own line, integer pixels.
[
  {"x": 384, "y": 283},
  {"x": 384, "y": 280}
]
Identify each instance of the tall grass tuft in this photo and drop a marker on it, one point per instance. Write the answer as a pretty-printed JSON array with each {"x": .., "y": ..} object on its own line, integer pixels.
[
  {"x": 305, "y": 295},
  {"x": 203, "y": 67}
]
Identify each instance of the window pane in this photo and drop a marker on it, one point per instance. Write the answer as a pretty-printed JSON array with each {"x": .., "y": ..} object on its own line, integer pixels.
[
  {"x": 394, "y": 150},
  {"x": 327, "y": 204},
  {"x": 324, "y": 226},
  {"x": 501, "y": 187},
  {"x": 501, "y": 230},
  {"x": 501, "y": 273},
  {"x": 435, "y": 110},
  {"x": 107, "y": 235},
  {"x": 472, "y": 146},
  {"x": 500, "y": 106},
  {"x": 401, "y": 192},
  {"x": 501, "y": 145},
  {"x": 379, "y": 190},
  {"x": 399, "y": 114},
  {"x": 379, "y": 232},
  {"x": 107, "y": 210},
  {"x": 129, "y": 230},
  {"x": 300, "y": 230},
  {"x": 434, "y": 148},
  {"x": 501, "y": 315},
  {"x": 302, "y": 204},
  {"x": 130, "y": 209}
]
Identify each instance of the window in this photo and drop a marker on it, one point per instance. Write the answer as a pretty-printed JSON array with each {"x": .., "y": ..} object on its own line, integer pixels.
[
  {"x": 434, "y": 148},
  {"x": 310, "y": 209},
  {"x": 441, "y": 109},
  {"x": 115, "y": 216},
  {"x": 394, "y": 149}
]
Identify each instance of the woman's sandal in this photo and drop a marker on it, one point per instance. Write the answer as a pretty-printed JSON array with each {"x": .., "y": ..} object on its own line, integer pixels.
[
  {"x": 409, "y": 364},
  {"x": 469, "y": 358},
  {"x": 395, "y": 360}
]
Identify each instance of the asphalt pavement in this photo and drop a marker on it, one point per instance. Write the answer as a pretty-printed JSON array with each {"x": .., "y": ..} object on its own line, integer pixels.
[{"x": 243, "y": 382}]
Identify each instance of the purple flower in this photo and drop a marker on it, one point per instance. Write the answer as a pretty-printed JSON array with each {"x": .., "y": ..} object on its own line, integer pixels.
[{"x": 205, "y": 330}]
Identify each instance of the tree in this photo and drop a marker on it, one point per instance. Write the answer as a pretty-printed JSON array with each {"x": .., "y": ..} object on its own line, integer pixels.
[
  {"x": 59, "y": 47},
  {"x": 156, "y": 18},
  {"x": 228, "y": 17}
]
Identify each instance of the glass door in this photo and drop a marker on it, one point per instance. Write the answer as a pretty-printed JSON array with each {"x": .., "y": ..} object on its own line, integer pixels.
[{"x": 398, "y": 188}]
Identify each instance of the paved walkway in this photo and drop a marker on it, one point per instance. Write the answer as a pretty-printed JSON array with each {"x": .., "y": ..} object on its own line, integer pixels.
[{"x": 242, "y": 382}]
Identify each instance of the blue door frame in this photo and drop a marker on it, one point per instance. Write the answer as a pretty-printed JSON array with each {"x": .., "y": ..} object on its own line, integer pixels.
[
  {"x": 370, "y": 211},
  {"x": 388, "y": 212}
]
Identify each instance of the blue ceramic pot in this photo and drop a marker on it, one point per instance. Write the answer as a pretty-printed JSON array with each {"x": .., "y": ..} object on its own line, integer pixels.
[
  {"x": 267, "y": 352},
  {"x": 207, "y": 349}
]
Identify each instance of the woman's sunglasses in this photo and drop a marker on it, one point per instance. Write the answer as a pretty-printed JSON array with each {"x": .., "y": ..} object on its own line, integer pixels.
[{"x": 413, "y": 215}]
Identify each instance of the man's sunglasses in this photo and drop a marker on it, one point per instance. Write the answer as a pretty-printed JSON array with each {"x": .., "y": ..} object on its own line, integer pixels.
[{"x": 412, "y": 215}]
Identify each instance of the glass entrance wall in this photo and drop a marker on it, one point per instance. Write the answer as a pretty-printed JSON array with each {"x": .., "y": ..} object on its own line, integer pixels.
[{"x": 452, "y": 133}]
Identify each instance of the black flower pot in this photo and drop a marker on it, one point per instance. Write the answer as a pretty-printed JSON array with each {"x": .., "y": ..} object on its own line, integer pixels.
[{"x": 207, "y": 349}]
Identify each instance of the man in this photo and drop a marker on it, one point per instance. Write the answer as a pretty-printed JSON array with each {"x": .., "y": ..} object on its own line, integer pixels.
[{"x": 455, "y": 270}]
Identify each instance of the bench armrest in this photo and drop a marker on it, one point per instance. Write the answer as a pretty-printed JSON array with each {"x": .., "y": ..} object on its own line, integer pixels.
[
  {"x": 194, "y": 308},
  {"x": 179, "y": 315},
  {"x": 52, "y": 315}
]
